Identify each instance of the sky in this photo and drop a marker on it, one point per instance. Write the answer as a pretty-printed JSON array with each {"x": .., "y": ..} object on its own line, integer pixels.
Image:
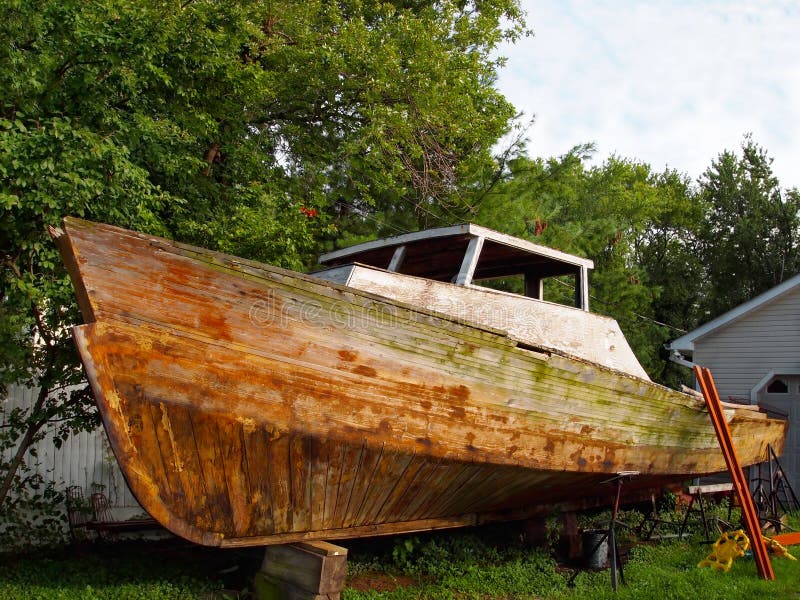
[{"x": 667, "y": 82}]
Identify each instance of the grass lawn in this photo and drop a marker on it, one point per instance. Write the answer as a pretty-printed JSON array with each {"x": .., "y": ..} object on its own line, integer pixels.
[
  {"x": 486, "y": 564},
  {"x": 464, "y": 566},
  {"x": 126, "y": 570}
]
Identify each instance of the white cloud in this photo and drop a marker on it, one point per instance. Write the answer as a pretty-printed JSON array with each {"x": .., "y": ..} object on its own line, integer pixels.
[{"x": 669, "y": 83}]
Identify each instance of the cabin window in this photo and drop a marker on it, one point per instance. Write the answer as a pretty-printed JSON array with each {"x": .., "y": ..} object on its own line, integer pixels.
[
  {"x": 510, "y": 283},
  {"x": 778, "y": 386},
  {"x": 560, "y": 290}
]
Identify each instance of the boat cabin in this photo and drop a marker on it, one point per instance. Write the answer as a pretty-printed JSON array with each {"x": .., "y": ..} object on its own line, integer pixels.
[
  {"x": 468, "y": 255},
  {"x": 419, "y": 269}
]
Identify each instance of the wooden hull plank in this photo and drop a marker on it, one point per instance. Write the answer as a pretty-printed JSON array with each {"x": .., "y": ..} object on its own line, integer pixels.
[
  {"x": 390, "y": 474},
  {"x": 300, "y": 482},
  {"x": 178, "y": 447},
  {"x": 320, "y": 459},
  {"x": 348, "y": 474},
  {"x": 365, "y": 479},
  {"x": 256, "y": 447},
  {"x": 336, "y": 455},
  {"x": 280, "y": 482},
  {"x": 212, "y": 469}
]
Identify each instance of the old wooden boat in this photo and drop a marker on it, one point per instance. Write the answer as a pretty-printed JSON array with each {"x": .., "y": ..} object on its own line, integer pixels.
[{"x": 251, "y": 405}]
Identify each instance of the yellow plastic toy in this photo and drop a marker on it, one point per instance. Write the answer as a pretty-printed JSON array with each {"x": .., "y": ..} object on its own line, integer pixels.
[
  {"x": 777, "y": 548},
  {"x": 730, "y": 545}
]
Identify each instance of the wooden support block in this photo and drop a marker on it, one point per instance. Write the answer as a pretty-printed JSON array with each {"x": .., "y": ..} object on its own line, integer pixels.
[
  {"x": 714, "y": 488},
  {"x": 302, "y": 571}
]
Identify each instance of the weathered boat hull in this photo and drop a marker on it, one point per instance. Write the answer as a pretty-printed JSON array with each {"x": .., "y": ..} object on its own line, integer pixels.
[{"x": 250, "y": 405}]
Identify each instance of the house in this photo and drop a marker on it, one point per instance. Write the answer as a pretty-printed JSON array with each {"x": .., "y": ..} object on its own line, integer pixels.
[{"x": 753, "y": 352}]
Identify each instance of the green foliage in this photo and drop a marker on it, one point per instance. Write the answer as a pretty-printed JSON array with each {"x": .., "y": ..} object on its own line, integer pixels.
[
  {"x": 469, "y": 565},
  {"x": 488, "y": 563},
  {"x": 441, "y": 556},
  {"x": 668, "y": 255},
  {"x": 631, "y": 222},
  {"x": 507, "y": 570},
  {"x": 669, "y": 570},
  {"x": 261, "y": 129},
  {"x": 749, "y": 240},
  {"x": 35, "y": 516}
]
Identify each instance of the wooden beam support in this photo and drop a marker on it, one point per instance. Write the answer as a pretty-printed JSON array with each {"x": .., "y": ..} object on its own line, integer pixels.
[
  {"x": 470, "y": 261},
  {"x": 534, "y": 287},
  {"x": 302, "y": 571},
  {"x": 397, "y": 259},
  {"x": 711, "y": 396},
  {"x": 582, "y": 288}
]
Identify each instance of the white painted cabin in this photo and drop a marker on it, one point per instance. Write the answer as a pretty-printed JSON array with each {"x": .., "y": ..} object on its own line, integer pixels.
[{"x": 443, "y": 270}]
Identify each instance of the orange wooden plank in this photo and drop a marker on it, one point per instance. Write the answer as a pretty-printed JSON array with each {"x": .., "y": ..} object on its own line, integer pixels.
[
  {"x": 334, "y": 470},
  {"x": 320, "y": 460},
  {"x": 300, "y": 482},
  {"x": 279, "y": 481},
  {"x": 362, "y": 486},
  {"x": 212, "y": 469},
  {"x": 749, "y": 513},
  {"x": 182, "y": 462},
  {"x": 255, "y": 441},
  {"x": 232, "y": 454},
  {"x": 787, "y": 539},
  {"x": 390, "y": 474},
  {"x": 348, "y": 475}
]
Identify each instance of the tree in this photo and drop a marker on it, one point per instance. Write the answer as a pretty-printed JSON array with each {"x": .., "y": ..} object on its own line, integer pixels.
[
  {"x": 633, "y": 223},
  {"x": 667, "y": 251},
  {"x": 749, "y": 241},
  {"x": 257, "y": 128}
]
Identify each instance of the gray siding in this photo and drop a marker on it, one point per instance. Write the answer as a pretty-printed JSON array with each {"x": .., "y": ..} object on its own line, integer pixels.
[{"x": 742, "y": 352}]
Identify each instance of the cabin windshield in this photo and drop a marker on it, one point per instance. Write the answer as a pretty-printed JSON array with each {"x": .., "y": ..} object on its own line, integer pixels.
[
  {"x": 558, "y": 290},
  {"x": 518, "y": 271}
]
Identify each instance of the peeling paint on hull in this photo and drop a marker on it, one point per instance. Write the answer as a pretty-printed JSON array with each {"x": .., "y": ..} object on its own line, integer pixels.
[{"x": 250, "y": 405}]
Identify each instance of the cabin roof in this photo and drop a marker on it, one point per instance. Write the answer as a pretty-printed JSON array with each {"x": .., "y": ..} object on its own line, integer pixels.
[{"x": 438, "y": 254}]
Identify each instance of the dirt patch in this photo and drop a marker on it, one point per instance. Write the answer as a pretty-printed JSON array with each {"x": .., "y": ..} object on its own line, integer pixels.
[{"x": 378, "y": 582}]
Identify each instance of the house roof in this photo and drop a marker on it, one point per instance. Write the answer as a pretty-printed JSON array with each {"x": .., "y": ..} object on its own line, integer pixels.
[{"x": 685, "y": 343}]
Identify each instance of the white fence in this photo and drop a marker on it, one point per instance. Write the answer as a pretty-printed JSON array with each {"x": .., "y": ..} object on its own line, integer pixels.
[{"x": 84, "y": 459}]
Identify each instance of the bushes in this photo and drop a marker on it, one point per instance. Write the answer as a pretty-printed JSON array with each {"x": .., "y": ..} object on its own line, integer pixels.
[{"x": 33, "y": 517}]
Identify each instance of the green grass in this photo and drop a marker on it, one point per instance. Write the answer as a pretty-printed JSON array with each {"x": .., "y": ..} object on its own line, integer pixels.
[
  {"x": 669, "y": 571},
  {"x": 486, "y": 564},
  {"x": 125, "y": 571},
  {"x": 666, "y": 571}
]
